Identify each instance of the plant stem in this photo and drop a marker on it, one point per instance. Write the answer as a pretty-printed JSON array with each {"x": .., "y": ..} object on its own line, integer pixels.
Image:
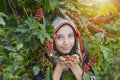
[{"x": 13, "y": 8}]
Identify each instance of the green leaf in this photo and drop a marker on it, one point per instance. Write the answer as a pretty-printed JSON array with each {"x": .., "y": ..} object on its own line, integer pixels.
[
  {"x": 106, "y": 53},
  {"x": 2, "y": 22},
  {"x": 34, "y": 45},
  {"x": 19, "y": 46},
  {"x": 22, "y": 30},
  {"x": 10, "y": 48},
  {"x": 18, "y": 59},
  {"x": 2, "y": 15},
  {"x": 62, "y": 10},
  {"x": 41, "y": 37},
  {"x": 2, "y": 58},
  {"x": 50, "y": 4},
  {"x": 49, "y": 29},
  {"x": 36, "y": 70},
  {"x": 48, "y": 37},
  {"x": 99, "y": 37},
  {"x": 2, "y": 32},
  {"x": 53, "y": 4},
  {"x": 32, "y": 23},
  {"x": 48, "y": 74}
]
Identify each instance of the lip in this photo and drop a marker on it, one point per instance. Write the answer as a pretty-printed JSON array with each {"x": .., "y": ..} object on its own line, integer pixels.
[{"x": 66, "y": 48}]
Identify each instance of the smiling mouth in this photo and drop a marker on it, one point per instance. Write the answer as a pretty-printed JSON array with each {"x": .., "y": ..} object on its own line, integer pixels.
[{"x": 66, "y": 48}]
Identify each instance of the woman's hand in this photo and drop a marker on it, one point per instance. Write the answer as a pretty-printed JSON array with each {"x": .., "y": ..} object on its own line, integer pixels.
[
  {"x": 64, "y": 61},
  {"x": 71, "y": 62},
  {"x": 57, "y": 71},
  {"x": 68, "y": 62},
  {"x": 59, "y": 68},
  {"x": 75, "y": 68}
]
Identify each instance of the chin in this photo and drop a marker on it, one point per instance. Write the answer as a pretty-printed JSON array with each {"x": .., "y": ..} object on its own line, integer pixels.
[{"x": 66, "y": 52}]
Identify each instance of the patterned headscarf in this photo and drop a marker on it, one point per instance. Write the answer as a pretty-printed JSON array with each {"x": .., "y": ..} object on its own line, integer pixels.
[{"x": 59, "y": 22}]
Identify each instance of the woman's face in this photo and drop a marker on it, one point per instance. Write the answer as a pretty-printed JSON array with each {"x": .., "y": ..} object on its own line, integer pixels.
[{"x": 65, "y": 39}]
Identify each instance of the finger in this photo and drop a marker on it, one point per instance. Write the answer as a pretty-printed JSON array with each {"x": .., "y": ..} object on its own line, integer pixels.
[
  {"x": 75, "y": 55},
  {"x": 61, "y": 58},
  {"x": 62, "y": 62},
  {"x": 76, "y": 58}
]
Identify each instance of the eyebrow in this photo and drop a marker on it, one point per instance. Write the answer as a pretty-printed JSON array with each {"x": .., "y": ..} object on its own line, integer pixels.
[{"x": 62, "y": 34}]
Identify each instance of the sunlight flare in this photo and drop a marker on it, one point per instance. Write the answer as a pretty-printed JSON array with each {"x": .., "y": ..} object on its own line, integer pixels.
[{"x": 102, "y": 1}]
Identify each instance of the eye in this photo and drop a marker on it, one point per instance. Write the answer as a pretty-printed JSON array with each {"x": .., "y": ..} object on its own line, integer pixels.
[
  {"x": 59, "y": 37},
  {"x": 71, "y": 35}
]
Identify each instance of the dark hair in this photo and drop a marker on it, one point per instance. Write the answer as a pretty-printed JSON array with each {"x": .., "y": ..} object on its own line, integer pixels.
[{"x": 73, "y": 50}]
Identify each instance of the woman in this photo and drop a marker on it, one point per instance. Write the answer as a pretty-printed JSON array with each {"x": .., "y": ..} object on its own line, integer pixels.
[
  {"x": 71, "y": 62},
  {"x": 68, "y": 46}
]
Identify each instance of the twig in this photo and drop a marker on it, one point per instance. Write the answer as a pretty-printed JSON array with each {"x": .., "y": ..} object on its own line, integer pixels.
[
  {"x": 13, "y": 8},
  {"x": 25, "y": 12}
]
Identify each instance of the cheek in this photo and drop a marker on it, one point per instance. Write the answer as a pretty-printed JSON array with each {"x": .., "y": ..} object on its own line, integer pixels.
[
  {"x": 72, "y": 42},
  {"x": 58, "y": 43}
]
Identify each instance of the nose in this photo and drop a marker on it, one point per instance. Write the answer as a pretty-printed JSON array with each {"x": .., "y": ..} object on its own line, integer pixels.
[{"x": 66, "y": 41}]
